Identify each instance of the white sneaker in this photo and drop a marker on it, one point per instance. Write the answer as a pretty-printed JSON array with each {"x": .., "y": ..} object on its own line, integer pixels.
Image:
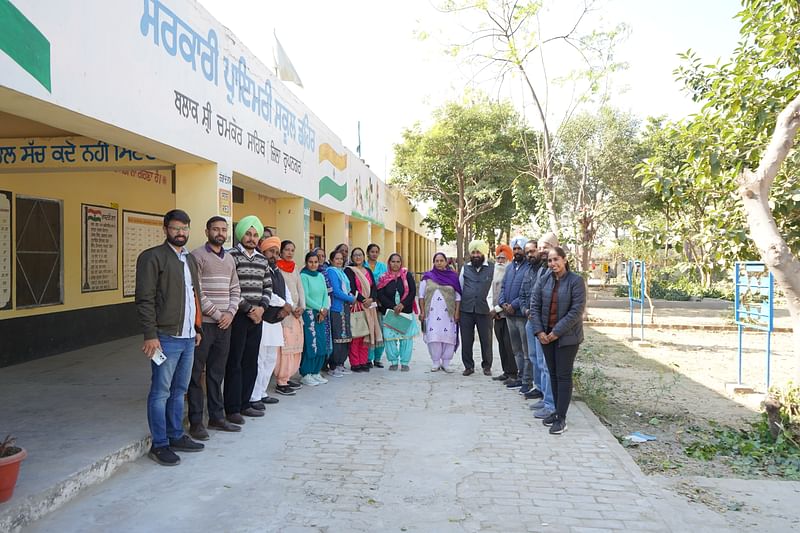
[
  {"x": 309, "y": 380},
  {"x": 335, "y": 373},
  {"x": 342, "y": 370},
  {"x": 319, "y": 378},
  {"x": 435, "y": 368}
]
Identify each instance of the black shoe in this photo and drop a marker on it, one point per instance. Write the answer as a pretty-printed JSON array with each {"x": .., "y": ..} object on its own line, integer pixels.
[
  {"x": 198, "y": 431},
  {"x": 468, "y": 372},
  {"x": 392, "y": 367},
  {"x": 487, "y": 372},
  {"x": 501, "y": 377},
  {"x": 224, "y": 425},
  {"x": 558, "y": 427},
  {"x": 258, "y": 406},
  {"x": 185, "y": 444},
  {"x": 255, "y": 413},
  {"x": 164, "y": 456},
  {"x": 286, "y": 390},
  {"x": 514, "y": 384},
  {"x": 357, "y": 368},
  {"x": 525, "y": 388},
  {"x": 365, "y": 368},
  {"x": 535, "y": 394},
  {"x": 550, "y": 420},
  {"x": 377, "y": 364},
  {"x": 235, "y": 418},
  {"x": 369, "y": 364},
  {"x": 269, "y": 400},
  {"x": 295, "y": 385}
]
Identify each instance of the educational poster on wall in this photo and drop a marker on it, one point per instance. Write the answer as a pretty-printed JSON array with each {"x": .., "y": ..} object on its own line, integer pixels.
[
  {"x": 5, "y": 250},
  {"x": 140, "y": 231},
  {"x": 99, "y": 249}
]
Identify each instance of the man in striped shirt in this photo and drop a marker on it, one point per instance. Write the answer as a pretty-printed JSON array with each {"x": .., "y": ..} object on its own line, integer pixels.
[
  {"x": 219, "y": 301},
  {"x": 256, "y": 292}
]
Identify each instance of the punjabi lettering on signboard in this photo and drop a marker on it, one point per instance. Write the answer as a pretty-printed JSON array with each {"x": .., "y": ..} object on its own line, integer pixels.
[
  {"x": 99, "y": 236},
  {"x": 140, "y": 231}
]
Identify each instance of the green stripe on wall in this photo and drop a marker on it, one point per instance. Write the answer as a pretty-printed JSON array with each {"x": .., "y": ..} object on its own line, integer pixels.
[{"x": 24, "y": 43}]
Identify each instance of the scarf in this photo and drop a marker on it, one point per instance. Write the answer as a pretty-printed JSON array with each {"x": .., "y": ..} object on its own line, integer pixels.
[
  {"x": 370, "y": 313},
  {"x": 308, "y": 272},
  {"x": 443, "y": 277},
  {"x": 342, "y": 277},
  {"x": 402, "y": 274},
  {"x": 286, "y": 266}
]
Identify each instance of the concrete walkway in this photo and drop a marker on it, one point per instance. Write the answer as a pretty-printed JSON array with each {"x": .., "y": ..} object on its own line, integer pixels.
[{"x": 384, "y": 451}]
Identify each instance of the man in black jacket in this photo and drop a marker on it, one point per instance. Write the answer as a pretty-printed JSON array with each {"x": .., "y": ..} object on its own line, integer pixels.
[{"x": 167, "y": 301}]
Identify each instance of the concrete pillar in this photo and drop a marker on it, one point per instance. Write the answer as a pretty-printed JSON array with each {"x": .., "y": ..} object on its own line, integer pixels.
[
  {"x": 405, "y": 247},
  {"x": 335, "y": 230},
  {"x": 360, "y": 234},
  {"x": 291, "y": 222},
  {"x": 196, "y": 192},
  {"x": 377, "y": 238},
  {"x": 389, "y": 244}
]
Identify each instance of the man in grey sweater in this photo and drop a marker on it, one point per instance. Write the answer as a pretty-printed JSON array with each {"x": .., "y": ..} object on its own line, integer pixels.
[{"x": 219, "y": 301}]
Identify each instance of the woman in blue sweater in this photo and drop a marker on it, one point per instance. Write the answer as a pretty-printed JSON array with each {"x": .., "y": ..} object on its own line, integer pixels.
[{"x": 341, "y": 301}]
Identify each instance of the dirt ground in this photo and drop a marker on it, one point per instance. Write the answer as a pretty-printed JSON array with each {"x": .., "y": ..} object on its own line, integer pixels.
[{"x": 672, "y": 387}]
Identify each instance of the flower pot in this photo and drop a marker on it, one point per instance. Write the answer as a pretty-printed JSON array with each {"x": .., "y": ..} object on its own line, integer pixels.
[{"x": 9, "y": 470}]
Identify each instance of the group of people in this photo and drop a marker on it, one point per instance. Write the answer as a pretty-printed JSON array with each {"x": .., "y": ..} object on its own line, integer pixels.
[
  {"x": 219, "y": 323},
  {"x": 535, "y": 305}
]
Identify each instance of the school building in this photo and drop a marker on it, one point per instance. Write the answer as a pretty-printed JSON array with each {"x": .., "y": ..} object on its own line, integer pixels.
[{"x": 111, "y": 114}]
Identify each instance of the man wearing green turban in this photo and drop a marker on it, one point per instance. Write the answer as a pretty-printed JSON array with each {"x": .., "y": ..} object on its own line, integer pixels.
[
  {"x": 476, "y": 280},
  {"x": 250, "y": 221},
  {"x": 255, "y": 284}
]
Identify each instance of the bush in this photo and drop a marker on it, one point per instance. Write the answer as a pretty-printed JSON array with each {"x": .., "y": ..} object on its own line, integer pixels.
[{"x": 673, "y": 285}]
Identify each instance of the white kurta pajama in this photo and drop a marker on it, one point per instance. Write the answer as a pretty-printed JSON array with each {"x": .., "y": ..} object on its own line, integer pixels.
[{"x": 271, "y": 340}]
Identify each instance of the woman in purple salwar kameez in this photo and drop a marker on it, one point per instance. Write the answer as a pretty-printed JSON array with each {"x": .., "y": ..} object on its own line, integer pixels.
[{"x": 439, "y": 303}]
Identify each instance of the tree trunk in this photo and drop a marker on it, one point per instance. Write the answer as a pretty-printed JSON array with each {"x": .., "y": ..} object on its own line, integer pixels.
[{"x": 754, "y": 188}]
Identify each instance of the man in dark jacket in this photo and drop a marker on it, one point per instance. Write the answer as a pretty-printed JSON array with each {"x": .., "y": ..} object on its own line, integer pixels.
[
  {"x": 515, "y": 275},
  {"x": 167, "y": 301},
  {"x": 476, "y": 280}
]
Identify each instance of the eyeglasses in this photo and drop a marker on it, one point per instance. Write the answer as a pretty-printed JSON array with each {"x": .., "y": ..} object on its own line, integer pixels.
[{"x": 179, "y": 229}]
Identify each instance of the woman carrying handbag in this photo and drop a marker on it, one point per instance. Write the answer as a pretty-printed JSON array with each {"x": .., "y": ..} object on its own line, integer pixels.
[{"x": 364, "y": 325}]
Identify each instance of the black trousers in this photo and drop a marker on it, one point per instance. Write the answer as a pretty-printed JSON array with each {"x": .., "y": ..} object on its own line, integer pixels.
[
  {"x": 211, "y": 356},
  {"x": 560, "y": 360},
  {"x": 242, "y": 366},
  {"x": 468, "y": 323},
  {"x": 507, "y": 360}
]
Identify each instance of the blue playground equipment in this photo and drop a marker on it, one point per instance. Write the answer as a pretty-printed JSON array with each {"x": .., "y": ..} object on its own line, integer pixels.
[
  {"x": 636, "y": 289},
  {"x": 754, "y": 304}
]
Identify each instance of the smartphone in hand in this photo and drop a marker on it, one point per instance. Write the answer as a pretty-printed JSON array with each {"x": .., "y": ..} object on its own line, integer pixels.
[{"x": 158, "y": 357}]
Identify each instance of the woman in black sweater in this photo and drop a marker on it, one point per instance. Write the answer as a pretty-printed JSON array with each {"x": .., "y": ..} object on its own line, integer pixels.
[{"x": 397, "y": 294}]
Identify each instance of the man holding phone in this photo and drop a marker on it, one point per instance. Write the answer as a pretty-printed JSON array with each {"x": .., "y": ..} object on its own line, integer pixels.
[{"x": 167, "y": 302}]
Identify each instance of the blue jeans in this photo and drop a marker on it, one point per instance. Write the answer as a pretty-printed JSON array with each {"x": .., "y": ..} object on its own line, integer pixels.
[
  {"x": 541, "y": 375},
  {"x": 168, "y": 385}
]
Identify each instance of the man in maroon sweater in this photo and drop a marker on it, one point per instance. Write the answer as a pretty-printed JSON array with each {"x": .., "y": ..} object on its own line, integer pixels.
[{"x": 219, "y": 301}]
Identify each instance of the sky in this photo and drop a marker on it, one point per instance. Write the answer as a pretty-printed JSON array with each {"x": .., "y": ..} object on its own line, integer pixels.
[{"x": 362, "y": 60}]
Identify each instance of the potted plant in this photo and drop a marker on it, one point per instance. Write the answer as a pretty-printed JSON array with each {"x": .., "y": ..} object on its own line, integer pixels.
[{"x": 10, "y": 458}]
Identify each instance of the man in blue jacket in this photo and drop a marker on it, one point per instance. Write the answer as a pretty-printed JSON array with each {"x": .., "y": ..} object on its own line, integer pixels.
[{"x": 516, "y": 272}]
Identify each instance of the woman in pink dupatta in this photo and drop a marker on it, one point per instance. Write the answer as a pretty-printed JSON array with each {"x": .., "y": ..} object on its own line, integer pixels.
[{"x": 364, "y": 288}]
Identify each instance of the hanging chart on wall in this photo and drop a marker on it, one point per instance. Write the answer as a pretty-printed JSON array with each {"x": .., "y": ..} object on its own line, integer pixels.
[
  {"x": 5, "y": 250},
  {"x": 140, "y": 231},
  {"x": 99, "y": 235}
]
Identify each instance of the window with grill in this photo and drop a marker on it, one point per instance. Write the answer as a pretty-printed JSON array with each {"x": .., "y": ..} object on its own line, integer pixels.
[{"x": 40, "y": 267}]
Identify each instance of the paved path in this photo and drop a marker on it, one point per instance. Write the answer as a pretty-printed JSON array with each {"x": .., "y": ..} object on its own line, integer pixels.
[{"x": 391, "y": 451}]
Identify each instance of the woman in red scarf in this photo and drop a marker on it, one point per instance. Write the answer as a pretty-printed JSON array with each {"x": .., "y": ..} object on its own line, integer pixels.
[
  {"x": 290, "y": 353},
  {"x": 397, "y": 298},
  {"x": 364, "y": 289}
]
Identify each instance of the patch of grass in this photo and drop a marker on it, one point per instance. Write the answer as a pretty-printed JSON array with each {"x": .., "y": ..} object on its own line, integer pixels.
[
  {"x": 592, "y": 384},
  {"x": 749, "y": 451}
]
